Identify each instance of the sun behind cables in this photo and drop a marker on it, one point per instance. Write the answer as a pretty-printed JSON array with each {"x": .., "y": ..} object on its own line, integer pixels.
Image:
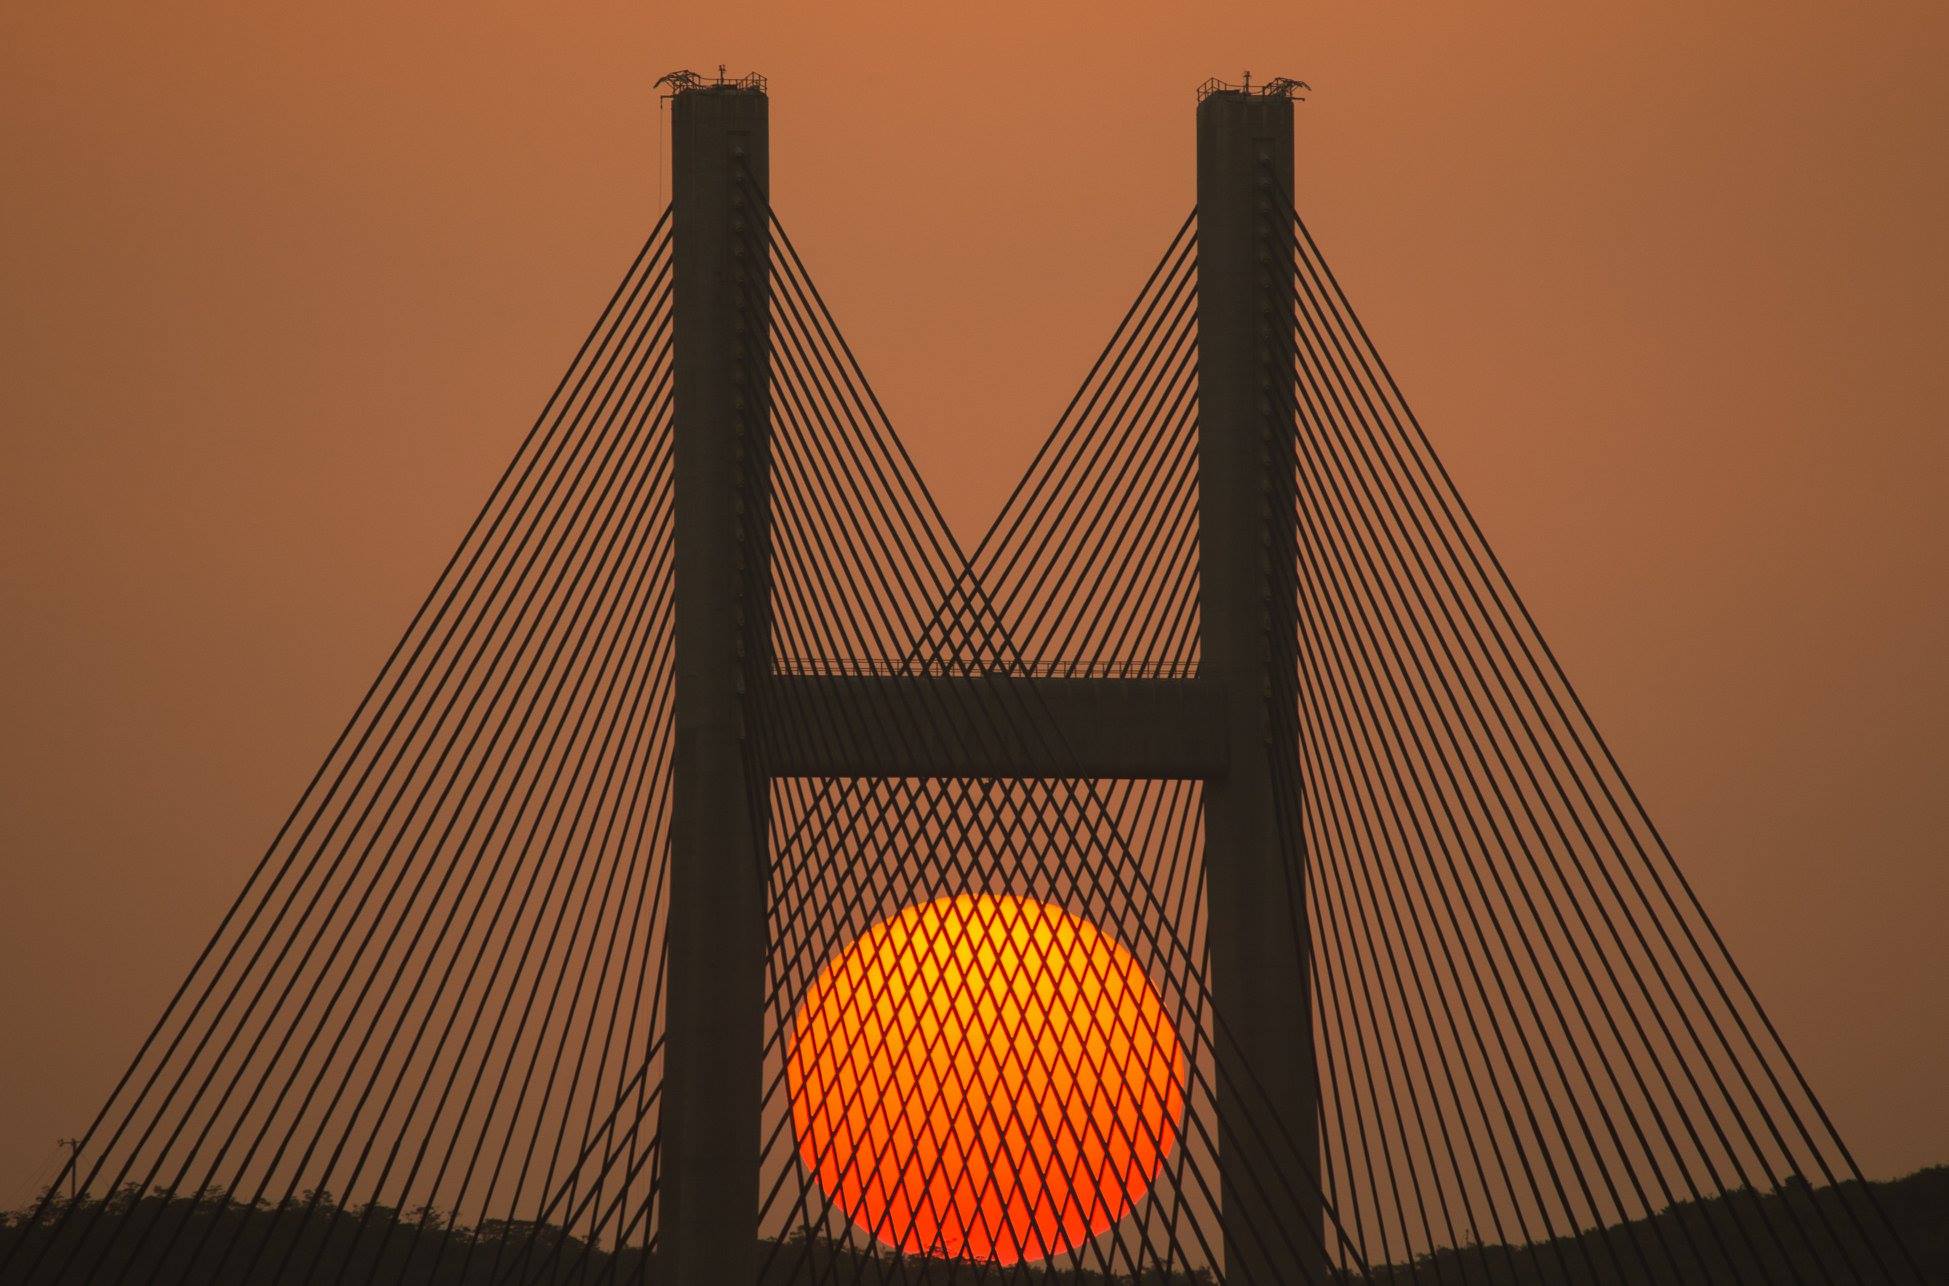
[{"x": 984, "y": 1077}]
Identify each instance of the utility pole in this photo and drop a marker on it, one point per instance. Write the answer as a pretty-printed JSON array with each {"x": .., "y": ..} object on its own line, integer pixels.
[{"x": 74, "y": 1162}]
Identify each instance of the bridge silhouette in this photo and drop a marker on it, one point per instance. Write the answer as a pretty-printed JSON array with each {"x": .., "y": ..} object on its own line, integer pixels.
[{"x": 709, "y": 690}]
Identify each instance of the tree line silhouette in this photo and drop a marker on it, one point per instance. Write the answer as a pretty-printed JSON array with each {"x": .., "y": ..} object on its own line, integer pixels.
[{"x": 144, "y": 1238}]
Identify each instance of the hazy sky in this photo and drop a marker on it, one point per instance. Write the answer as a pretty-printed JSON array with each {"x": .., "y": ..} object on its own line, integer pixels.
[{"x": 279, "y": 291}]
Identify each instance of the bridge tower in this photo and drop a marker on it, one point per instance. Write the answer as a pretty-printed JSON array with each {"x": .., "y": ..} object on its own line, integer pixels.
[
  {"x": 712, "y": 1081},
  {"x": 1220, "y": 727},
  {"x": 1248, "y": 613}
]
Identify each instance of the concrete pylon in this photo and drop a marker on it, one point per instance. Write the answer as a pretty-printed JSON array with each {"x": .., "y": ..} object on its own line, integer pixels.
[
  {"x": 1268, "y": 1093},
  {"x": 712, "y": 1074}
]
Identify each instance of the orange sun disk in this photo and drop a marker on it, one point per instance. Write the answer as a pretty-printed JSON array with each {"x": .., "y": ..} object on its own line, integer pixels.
[{"x": 984, "y": 1077}]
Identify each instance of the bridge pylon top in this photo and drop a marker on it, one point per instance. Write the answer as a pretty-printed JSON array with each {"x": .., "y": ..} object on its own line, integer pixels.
[
  {"x": 690, "y": 82},
  {"x": 1277, "y": 87}
]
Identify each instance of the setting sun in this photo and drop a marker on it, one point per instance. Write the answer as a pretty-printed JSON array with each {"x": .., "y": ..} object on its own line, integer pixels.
[{"x": 984, "y": 1077}]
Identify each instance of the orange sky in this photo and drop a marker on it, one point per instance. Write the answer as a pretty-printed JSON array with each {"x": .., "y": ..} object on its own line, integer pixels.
[{"x": 279, "y": 292}]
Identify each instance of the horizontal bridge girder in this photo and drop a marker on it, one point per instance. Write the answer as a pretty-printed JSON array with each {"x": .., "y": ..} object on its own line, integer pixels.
[{"x": 990, "y": 726}]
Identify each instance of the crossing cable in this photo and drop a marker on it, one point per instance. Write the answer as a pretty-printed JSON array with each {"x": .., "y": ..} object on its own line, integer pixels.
[
  {"x": 653, "y": 889},
  {"x": 998, "y": 557},
  {"x": 655, "y": 481},
  {"x": 1166, "y": 556},
  {"x": 1338, "y": 539},
  {"x": 788, "y": 920},
  {"x": 649, "y": 997},
  {"x": 266, "y": 983},
  {"x": 1166, "y": 381},
  {"x": 1530, "y": 1057},
  {"x": 633, "y": 1169},
  {"x": 1044, "y": 1250},
  {"x": 637, "y": 948},
  {"x": 1330, "y": 791},
  {"x": 656, "y": 718},
  {"x": 1643, "y": 1144},
  {"x": 976, "y": 626},
  {"x": 432, "y": 613},
  {"x": 641, "y": 1084},
  {"x": 1327, "y": 907},
  {"x": 1429, "y": 847},
  {"x": 1221, "y": 1033},
  {"x": 544, "y": 1215},
  {"x": 788, "y": 519},
  {"x": 1138, "y": 516},
  {"x": 659, "y": 543},
  {"x": 1776, "y": 1232},
  {"x": 1091, "y": 545},
  {"x": 660, "y": 597},
  {"x": 1178, "y": 843},
  {"x": 1121, "y": 453},
  {"x": 1070, "y": 422},
  {"x": 1032, "y": 600},
  {"x": 548, "y": 1181},
  {"x": 522, "y": 970},
  {"x": 1317, "y": 409},
  {"x": 797, "y": 402},
  {"x": 378, "y": 697},
  {"x": 996, "y": 566},
  {"x": 614, "y": 1209},
  {"x": 359, "y": 953},
  {"x": 896, "y": 467},
  {"x": 444, "y": 841},
  {"x": 786, "y": 491},
  {"x": 407, "y": 956},
  {"x": 798, "y": 410},
  {"x": 1541, "y": 661}
]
